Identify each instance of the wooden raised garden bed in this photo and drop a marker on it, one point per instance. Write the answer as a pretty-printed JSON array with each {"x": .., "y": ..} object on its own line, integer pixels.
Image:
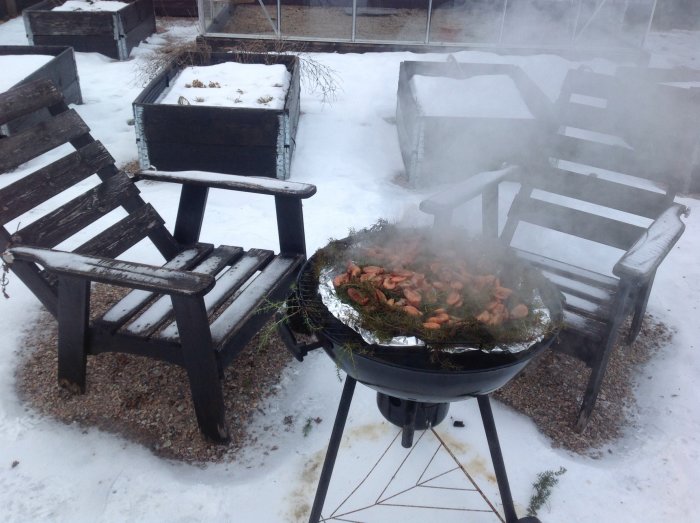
[
  {"x": 112, "y": 33},
  {"x": 10, "y": 8},
  {"x": 497, "y": 115},
  {"x": 175, "y": 7},
  {"x": 58, "y": 66},
  {"x": 255, "y": 141}
]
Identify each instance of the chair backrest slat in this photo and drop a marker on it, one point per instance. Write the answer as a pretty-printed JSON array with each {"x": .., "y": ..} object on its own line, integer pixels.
[
  {"x": 124, "y": 234},
  {"x": 34, "y": 189},
  {"x": 579, "y": 223},
  {"x": 35, "y": 96},
  {"x": 586, "y": 82},
  {"x": 75, "y": 215},
  {"x": 35, "y": 141},
  {"x": 605, "y": 156},
  {"x": 607, "y": 193},
  {"x": 588, "y": 117}
]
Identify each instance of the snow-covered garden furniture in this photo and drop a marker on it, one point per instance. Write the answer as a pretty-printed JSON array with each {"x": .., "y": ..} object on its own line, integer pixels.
[
  {"x": 22, "y": 64},
  {"x": 220, "y": 123},
  {"x": 457, "y": 119},
  {"x": 179, "y": 312},
  {"x": 112, "y": 28},
  {"x": 593, "y": 217}
]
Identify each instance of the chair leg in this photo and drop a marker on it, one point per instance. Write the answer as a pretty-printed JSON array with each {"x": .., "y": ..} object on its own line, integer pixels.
[
  {"x": 601, "y": 362},
  {"x": 594, "y": 383},
  {"x": 73, "y": 323},
  {"x": 201, "y": 366},
  {"x": 640, "y": 308}
]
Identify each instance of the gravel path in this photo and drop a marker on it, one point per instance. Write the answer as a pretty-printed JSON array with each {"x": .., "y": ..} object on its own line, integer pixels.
[{"x": 148, "y": 402}]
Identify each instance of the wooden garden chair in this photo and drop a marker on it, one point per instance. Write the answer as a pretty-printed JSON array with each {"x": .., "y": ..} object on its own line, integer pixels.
[
  {"x": 198, "y": 310},
  {"x": 590, "y": 194}
]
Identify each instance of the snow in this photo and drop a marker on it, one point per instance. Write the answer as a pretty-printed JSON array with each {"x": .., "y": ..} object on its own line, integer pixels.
[
  {"x": 485, "y": 96},
  {"x": 17, "y": 67},
  {"x": 349, "y": 149},
  {"x": 231, "y": 84},
  {"x": 98, "y": 5}
]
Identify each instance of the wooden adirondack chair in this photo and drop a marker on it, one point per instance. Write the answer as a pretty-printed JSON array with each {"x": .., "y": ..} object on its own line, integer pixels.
[
  {"x": 179, "y": 312},
  {"x": 590, "y": 194}
]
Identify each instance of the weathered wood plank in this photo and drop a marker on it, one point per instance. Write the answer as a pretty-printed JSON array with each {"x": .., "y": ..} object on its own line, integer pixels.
[
  {"x": 215, "y": 125},
  {"x": 248, "y": 302},
  {"x": 569, "y": 271},
  {"x": 27, "y": 99},
  {"x": 28, "y": 192},
  {"x": 70, "y": 218},
  {"x": 202, "y": 368},
  {"x": 138, "y": 13},
  {"x": 161, "y": 310},
  {"x": 290, "y": 225},
  {"x": 114, "y": 272},
  {"x": 592, "y": 118},
  {"x": 18, "y": 149},
  {"x": 70, "y": 22},
  {"x": 250, "y": 161},
  {"x": 586, "y": 82},
  {"x": 73, "y": 319},
  {"x": 579, "y": 223},
  {"x": 643, "y": 258},
  {"x": 190, "y": 213},
  {"x": 607, "y": 193},
  {"x": 252, "y": 184},
  {"x": 133, "y": 302},
  {"x": 103, "y": 44},
  {"x": 228, "y": 283},
  {"x": 605, "y": 156},
  {"x": 124, "y": 234}
]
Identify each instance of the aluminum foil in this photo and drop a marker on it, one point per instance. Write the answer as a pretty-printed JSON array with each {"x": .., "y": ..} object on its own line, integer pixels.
[{"x": 347, "y": 315}]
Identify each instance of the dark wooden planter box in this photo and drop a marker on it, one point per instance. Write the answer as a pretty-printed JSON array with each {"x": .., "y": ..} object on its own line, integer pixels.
[
  {"x": 61, "y": 70},
  {"x": 440, "y": 148},
  {"x": 175, "y": 7},
  {"x": 113, "y": 34},
  {"x": 228, "y": 140},
  {"x": 14, "y": 7}
]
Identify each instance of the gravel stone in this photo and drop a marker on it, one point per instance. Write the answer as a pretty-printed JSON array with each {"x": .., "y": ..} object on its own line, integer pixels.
[{"x": 148, "y": 401}]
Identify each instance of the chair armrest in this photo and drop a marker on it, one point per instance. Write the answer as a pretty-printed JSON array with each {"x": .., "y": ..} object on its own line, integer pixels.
[
  {"x": 253, "y": 184},
  {"x": 106, "y": 270},
  {"x": 647, "y": 253},
  {"x": 460, "y": 193}
]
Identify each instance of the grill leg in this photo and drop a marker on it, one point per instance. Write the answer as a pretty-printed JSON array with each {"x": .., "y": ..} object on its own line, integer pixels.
[
  {"x": 498, "y": 465},
  {"x": 332, "y": 452}
]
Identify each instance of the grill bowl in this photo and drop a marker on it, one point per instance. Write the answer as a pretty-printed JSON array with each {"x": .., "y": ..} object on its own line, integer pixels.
[{"x": 415, "y": 372}]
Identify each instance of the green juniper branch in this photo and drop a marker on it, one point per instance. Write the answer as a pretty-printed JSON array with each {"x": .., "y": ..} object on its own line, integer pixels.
[{"x": 543, "y": 489}]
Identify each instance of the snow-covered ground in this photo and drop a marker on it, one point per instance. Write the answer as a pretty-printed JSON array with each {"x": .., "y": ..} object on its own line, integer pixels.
[{"x": 349, "y": 149}]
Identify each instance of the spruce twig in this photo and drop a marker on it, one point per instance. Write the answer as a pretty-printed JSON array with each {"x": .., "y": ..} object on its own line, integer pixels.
[{"x": 543, "y": 489}]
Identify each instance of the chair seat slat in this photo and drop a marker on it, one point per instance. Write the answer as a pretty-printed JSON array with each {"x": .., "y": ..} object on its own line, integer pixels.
[
  {"x": 248, "y": 302},
  {"x": 228, "y": 283},
  {"x": 133, "y": 302},
  {"x": 162, "y": 309}
]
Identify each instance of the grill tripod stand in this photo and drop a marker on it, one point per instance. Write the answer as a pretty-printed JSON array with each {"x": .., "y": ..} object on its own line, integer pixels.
[{"x": 407, "y": 438}]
